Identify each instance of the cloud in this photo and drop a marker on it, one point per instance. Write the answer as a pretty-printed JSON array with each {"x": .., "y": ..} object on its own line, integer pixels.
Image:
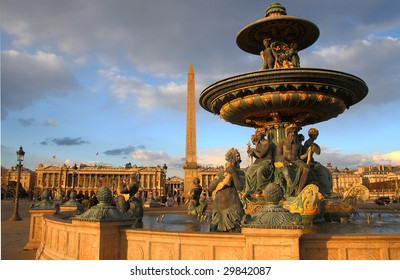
[
  {"x": 51, "y": 123},
  {"x": 216, "y": 157},
  {"x": 357, "y": 57},
  {"x": 392, "y": 158},
  {"x": 123, "y": 151},
  {"x": 67, "y": 141},
  {"x": 144, "y": 48},
  {"x": 352, "y": 161},
  {"x": 125, "y": 87},
  {"x": 26, "y": 122},
  {"x": 149, "y": 156},
  {"x": 28, "y": 77}
]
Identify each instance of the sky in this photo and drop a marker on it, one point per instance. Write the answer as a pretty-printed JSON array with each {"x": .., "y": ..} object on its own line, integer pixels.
[{"x": 104, "y": 82}]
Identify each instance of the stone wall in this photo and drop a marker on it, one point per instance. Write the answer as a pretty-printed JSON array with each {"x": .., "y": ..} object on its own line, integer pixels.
[
  {"x": 85, "y": 240},
  {"x": 350, "y": 247}
]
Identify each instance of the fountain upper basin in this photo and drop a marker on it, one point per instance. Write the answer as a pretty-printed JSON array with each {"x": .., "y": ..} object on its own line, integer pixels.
[{"x": 297, "y": 95}]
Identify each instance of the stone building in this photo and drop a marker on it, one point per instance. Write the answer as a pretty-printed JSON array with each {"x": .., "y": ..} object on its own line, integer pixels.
[
  {"x": 381, "y": 180},
  {"x": 86, "y": 179},
  {"x": 175, "y": 186},
  {"x": 207, "y": 174},
  {"x": 27, "y": 179}
]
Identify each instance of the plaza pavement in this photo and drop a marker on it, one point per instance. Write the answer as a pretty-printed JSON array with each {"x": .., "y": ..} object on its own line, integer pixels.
[{"x": 15, "y": 235}]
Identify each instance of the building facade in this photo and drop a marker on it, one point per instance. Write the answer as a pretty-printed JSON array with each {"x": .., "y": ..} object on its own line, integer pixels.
[
  {"x": 9, "y": 178},
  {"x": 175, "y": 186},
  {"x": 86, "y": 179}
]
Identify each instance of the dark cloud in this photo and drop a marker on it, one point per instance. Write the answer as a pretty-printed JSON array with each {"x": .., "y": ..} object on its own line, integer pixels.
[
  {"x": 44, "y": 143},
  {"x": 123, "y": 151},
  {"x": 26, "y": 122},
  {"x": 67, "y": 141},
  {"x": 26, "y": 78},
  {"x": 166, "y": 42}
]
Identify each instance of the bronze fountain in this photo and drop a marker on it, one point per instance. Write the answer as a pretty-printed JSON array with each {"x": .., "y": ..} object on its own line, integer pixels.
[{"x": 277, "y": 98}]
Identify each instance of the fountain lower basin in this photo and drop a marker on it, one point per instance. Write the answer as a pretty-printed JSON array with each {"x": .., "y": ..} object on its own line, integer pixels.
[
  {"x": 361, "y": 223},
  {"x": 179, "y": 237}
]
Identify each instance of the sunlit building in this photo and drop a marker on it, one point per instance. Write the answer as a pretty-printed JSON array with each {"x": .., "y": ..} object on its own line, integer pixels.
[
  {"x": 86, "y": 179},
  {"x": 9, "y": 179}
]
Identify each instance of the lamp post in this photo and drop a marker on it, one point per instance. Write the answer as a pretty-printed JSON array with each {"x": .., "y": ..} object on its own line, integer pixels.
[
  {"x": 164, "y": 168},
  {"x": 20, "y": 158},
  {"x": 75, "y": 172}
]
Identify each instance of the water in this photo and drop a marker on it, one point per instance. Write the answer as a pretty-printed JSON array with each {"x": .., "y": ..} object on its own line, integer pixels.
[
  {"x": 364, "y": 223},
  {"x": 174, "y": 222}
]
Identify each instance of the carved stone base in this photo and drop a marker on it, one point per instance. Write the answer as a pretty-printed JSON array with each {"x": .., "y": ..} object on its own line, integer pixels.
[{"x": 273, "y": 216}]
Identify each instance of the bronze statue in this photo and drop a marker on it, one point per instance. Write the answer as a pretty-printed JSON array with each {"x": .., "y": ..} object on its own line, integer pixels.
[
  {"x": 322, "y": 174},
  {"x": 292, "y": 55},
  {"x": 227, "y": 210},
  {"x": 196, "y": 205},
  {"x": 261, "y": 171},
  {"x": 291, "y": 171},
  {"x": 268, "y": 59},
  {"x": 126, "y": 194}
]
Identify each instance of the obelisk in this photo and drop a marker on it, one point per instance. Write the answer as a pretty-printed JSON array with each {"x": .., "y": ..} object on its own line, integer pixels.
[{"x": 190, "y": 166}]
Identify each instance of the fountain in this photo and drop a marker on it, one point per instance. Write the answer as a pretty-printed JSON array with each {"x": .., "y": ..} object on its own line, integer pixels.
[
  {"x": 278, "y": 100},
  {"x": 281, "y": 202}
]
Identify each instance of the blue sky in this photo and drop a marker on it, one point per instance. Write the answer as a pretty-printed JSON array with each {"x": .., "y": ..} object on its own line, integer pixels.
[{"x": 85, "y": 77}]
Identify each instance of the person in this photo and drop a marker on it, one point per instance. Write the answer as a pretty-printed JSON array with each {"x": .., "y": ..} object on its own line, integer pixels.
[
  {"x": 261, "y": 171},
  {"x": 227, "y": 209},
  {"x": 178, "y": 200},
  {"x": 93, "y": 200},
  {"x": 322, "y": 174},
  {"x": 268, "y": 59},
  {"x": 291, "y": 171},
  {"x": 170, "y": 201}
]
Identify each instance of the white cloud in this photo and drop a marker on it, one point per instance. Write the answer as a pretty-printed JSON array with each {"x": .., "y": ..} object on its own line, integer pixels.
[
  {"x": 341, "y": 160},
  {"x": 51, "y": 122},
  {"x": 216, "y": 157},
  {"x": 126, "y": 87},
  {"x": 371, "y": 59},
  {"x": 392, "y": 158},
  {"x": 148, "y": 156}
]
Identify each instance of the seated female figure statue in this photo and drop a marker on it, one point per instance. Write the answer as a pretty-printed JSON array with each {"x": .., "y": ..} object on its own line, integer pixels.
[
  {"x": 227, "y": 210},
  {"x": 261, "y": 172}
]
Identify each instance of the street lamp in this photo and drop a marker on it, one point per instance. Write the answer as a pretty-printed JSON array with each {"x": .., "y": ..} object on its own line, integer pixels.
[
  {"x": 75, "y": 171},
  {"x": 164, "y": 169},
  {"x": 20, "y": 158}
]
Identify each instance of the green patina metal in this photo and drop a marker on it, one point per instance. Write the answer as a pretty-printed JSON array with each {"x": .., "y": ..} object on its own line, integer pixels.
[{"x": 278, "y": 100}]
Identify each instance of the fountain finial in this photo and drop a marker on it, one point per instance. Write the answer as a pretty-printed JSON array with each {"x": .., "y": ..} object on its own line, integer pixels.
[{"x": 275, "y": 9}]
